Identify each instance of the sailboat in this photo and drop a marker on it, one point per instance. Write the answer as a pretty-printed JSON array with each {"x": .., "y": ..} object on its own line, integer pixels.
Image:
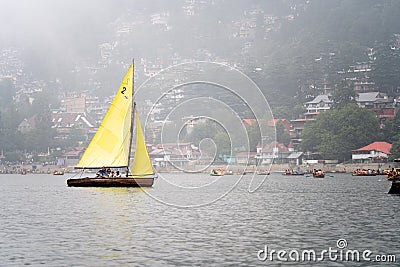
[
  {"x": 111, "y": 145},
  {"x": 394, "y": 177}
]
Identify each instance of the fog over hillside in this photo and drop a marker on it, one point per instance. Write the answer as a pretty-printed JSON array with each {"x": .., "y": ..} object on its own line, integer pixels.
[{"x": 280, "y": 38}]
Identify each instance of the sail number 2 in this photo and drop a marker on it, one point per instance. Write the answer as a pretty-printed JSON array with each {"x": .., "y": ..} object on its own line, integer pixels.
[{"x": 123, "y": 90}]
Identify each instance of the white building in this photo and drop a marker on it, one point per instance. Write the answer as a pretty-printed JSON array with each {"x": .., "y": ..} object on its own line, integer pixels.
[
  {"x": 319, "y": 104},
  {"x": 372, "y": 152}
]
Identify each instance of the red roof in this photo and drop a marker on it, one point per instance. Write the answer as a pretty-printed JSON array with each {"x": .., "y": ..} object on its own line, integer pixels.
[
  {"x": 286, "y": 124},
  {"x": 72, "y": 153},
  {"x": 377, "y": 146},
  {"x": 249, "y": 122}
]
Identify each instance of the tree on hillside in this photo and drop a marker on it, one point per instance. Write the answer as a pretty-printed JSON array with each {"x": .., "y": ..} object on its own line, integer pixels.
[
  {"x": 42, "y": 136},
  {"x": 7, "y": 92},
  {"x": 335, "y": 133},
  {"x": 343, "y": 95},
  {"x": 386, "y": 67},
  {"x": 282, "y": 135},
  {"x": 254, "y": 136},
  {"x": 395, "y": 150},
  {"x": 392, "y": 128}
]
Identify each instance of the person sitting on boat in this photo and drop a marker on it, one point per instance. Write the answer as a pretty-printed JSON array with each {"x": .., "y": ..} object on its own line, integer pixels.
[
  {"x": 117, "y": 174},
  {"x": 102, "y": 172}
]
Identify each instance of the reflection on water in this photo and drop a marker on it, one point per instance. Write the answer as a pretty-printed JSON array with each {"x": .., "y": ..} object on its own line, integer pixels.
[{"x": 45, "y": 222}]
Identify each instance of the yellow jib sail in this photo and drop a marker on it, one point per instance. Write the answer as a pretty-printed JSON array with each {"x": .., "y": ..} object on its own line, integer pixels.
[
  {"x": 141, "y": 162},
  {"x": 110, "y": 145}
]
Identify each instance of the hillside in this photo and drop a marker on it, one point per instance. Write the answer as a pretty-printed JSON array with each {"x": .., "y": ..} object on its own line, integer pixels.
[{"x": 294, "y": 44}]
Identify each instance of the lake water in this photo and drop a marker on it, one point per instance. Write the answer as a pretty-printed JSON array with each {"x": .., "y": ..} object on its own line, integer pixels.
[{"x": 194, "y": 220}]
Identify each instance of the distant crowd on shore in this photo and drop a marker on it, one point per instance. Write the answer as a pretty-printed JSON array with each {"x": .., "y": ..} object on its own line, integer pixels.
[
  {"x": 8, "y": 168},
  {"x": 371, "y": 171}
]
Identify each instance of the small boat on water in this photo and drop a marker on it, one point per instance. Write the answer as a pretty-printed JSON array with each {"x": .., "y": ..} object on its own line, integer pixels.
[
  {"x": 111, "y": 145},
  {"x": 394, "y": 177},
  {"x": 363, "y": 174},
  {"x": 217, "y": 172},
  {"x": 292, "y": 172},
  {"x": 318, "y": 174},
  {"x": 394, "y": 174},
  {"x": 58, "y": 173}
]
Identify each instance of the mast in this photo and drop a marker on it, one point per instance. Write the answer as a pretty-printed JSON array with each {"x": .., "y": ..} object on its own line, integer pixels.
[{"x": 132, "y": 117}]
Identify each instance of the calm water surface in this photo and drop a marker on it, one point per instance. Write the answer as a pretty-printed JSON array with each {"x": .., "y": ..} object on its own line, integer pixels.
[{"x": 43, "y": 222}]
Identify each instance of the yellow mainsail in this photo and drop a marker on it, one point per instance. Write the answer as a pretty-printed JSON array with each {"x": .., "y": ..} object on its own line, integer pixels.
[
  {"x": 110, "y": 145},
  {"x": 141, "y": 162}
]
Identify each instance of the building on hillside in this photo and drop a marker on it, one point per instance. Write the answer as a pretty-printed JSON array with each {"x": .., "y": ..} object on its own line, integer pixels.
[
  {"x": 273, "y": 152},
  {"x": 27, "y": 125},
  {"x": 374, "y": 100},
  {"x": 74, "y": 105},
  {"x": 160, "y": 19},
  {"x": 385, "y": 113},
  {"x": 176, "y": 154},
  {"x": 65, "y": 123},
  {"x": 319, "y": 104},
  {"x": 72, "y": 157},
  {"x": 374, "y": 152},
  {"x": 295, "y": 158},
  {"x": 160, "y": 157},
  {"x": 298, "y": 127},
  {"x": 380, "y": 103},
  {"x": 191, "y": 121},
  {"x": 363, "y": 86}
]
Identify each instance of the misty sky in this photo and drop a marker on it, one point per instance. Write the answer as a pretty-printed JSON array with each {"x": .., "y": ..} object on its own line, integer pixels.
[{"x": 50, "y": 23}]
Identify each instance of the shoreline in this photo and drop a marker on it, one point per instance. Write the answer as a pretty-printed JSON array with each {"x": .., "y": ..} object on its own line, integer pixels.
[{"x": 274, "y": 168}]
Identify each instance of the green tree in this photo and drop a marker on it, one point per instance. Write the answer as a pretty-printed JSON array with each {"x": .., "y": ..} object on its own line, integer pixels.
[
  {"x": 343, "y": 95},
  {"x": 395, "y": 150},
  {"x": 42, "y": 136},
  {"x": 11, "y": 139},
  {"x": 282, "y": 135},
  {"x": 223, "y": 143},
  {"x": 14, "y": 156},
  {"x": 386, "y": 67},
  {"x": 254, "y": 135},
  {"x": 201, "y": 131},
  {"x": 391, "y": 128},
  {"x": 297, "y": 110},
  {"x": 335, "y": 133},
  {"x": 7, "y": 92}
]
